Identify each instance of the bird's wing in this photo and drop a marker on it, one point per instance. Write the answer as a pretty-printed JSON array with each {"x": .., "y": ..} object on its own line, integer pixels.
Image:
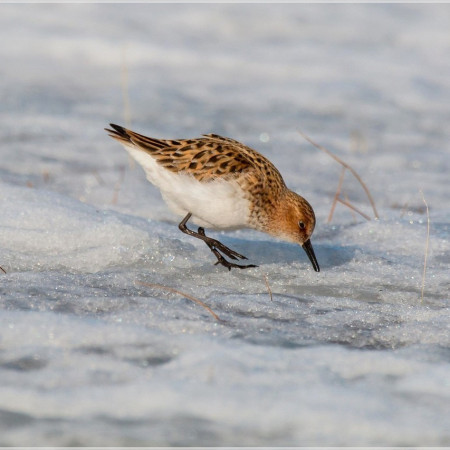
[{"x": 205, "y": 158}]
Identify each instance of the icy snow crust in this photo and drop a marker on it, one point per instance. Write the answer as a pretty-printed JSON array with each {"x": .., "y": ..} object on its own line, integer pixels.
[{"x": 349, "y": 356}]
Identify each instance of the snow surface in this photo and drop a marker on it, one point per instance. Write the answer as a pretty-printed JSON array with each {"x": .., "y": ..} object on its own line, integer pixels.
[{"x": 348, "y": 356}]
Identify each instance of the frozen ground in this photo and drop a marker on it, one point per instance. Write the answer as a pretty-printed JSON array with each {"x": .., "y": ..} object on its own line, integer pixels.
[{"x": 349, "y": 356}]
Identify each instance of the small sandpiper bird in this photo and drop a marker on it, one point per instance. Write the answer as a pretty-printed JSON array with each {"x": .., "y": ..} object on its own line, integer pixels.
[{"x": 222, "y": 184}]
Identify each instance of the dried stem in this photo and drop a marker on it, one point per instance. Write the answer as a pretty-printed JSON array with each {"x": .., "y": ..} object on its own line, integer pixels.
[
  {"x": 352, "y": 210},
  {"x": 98, "y": 177},
  {"x": 118, "y": 185},
  {"x": 340, "y": 200},
  {"x": 2, "y": 269},
  {"x": 427, "y": 246},
  {"x": 125, "y": 91},
  {"x": 338, "y": 191},
  {"x": 339, "y": 160},
  {"x": 266, "y": 279},
  {"x": 126, "y": 98},
  {"x": 183, "y": 294}
]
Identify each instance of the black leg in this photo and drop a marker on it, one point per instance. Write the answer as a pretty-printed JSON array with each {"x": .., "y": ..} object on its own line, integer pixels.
[
  {"x": 220, "y": 258},
  {"x": 214, "y": 245}
]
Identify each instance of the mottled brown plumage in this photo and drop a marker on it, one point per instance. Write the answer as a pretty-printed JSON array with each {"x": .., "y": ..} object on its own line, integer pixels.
[{"x": 213, "y": 160}]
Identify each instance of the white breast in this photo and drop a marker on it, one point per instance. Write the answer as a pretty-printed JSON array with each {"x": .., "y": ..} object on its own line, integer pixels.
[{"x": 214, "y": 204}]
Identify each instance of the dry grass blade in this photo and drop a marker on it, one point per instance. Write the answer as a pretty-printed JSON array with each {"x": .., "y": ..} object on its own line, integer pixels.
[
  {"x": 183, "y": 294},
  {"x": 427, "y": 246},
  {"x": 266, "y": 279},
  {"x": 336, "y": 196},
  {"x": 354, "y": 208},
  {"x": 2, "y": 269},
  {"x": 117, "y": 186},
  {"x": 98, "y": 177},
  {"x": 339, "y": 160},
  {"x": 125, "y": 91},
  {"x": 126, "y": 98}
]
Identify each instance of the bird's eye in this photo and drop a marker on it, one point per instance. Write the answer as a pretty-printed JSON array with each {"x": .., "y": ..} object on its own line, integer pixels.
[{"x": 301, "y": 225}]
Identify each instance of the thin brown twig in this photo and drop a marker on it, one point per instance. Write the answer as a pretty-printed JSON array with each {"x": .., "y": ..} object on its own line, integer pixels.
[
  {"x": 339, "y": 160},
  {"x": 351, "y": 209},
  {"x": 266, "y": 279},
  {"x": 183, "y": 294},
  {"x": 340, "y": 200},
  {"x": 2, "y": 269},
  {"x": 98, "y": 177},
  {"x": 126, "y": 98},
  {"x": 118, "y": 185},
  {"x": 338, "y": 191},
  {"x": 125, "y": 91},
  {"x": 427, "y": 246}
]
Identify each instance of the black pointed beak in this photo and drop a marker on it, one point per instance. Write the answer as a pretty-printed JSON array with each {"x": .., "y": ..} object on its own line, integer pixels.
[{"x": 307, "y": 246}]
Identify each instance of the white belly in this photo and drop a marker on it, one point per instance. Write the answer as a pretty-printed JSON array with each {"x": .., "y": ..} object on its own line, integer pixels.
[{"x": 215, "y": 204}]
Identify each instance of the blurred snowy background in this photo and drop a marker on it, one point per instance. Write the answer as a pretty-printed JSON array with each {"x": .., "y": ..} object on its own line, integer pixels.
[{"x": 349, "y": 356}]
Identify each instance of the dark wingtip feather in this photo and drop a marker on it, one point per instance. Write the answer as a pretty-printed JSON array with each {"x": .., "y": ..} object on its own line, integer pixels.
[
  {"x": 118, "y": 132},
  {"x": 117, "y": 129}
]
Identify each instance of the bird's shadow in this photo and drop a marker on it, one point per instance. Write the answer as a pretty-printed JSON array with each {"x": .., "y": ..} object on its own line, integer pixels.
[{"x": 272, "y": 252}]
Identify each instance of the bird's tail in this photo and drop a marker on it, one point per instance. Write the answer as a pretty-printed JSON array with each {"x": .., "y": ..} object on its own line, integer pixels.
[{"x": 131, "y": 138}]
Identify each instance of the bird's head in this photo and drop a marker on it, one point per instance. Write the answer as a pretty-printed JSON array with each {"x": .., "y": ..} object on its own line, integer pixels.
[{"x": 295, "y": 222}]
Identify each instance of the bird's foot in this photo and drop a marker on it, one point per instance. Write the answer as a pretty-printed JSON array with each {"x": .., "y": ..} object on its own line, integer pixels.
[
  {"x": 214, "y": 243},
  {"x": 216, "y": 246}
]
